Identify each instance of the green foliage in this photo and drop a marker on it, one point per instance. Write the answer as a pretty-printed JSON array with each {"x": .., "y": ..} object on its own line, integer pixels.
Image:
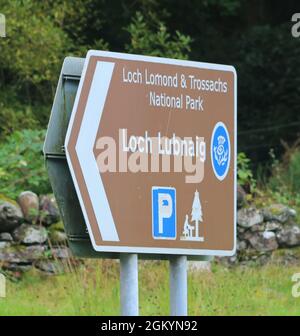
[
  {"x": 284, "y": 181},
  {"x": 22, "y": 164},
  {"x": 257, "y": 41},
  {"x": 15, "y": 115},
  {"x": 80, "y": 20},
  {"x": 268, "y": 63},
  {"x": 225, "y": 7},
  {"x": 152, "y": 38},
  {"x": 34, "y": 47},
  {"x": 279, "y": 182},
  {"x": 244, "y": 172},
  {"x": 293, "y": 172},
  {"x": 30, "y": 58}
]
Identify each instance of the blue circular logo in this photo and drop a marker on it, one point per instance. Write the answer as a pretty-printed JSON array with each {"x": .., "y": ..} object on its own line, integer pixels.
[{"x": 220, "y": 151}]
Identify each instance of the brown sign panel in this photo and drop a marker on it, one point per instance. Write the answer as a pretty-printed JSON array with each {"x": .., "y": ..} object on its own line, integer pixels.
[{"x": 151, "y": 146}]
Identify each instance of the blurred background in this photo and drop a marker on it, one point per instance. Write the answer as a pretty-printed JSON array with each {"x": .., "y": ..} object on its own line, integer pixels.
[{"x": 254, "y": 36}]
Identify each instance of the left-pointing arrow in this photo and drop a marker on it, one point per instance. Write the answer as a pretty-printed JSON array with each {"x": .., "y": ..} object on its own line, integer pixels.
[{"x": 84, "y": 150}]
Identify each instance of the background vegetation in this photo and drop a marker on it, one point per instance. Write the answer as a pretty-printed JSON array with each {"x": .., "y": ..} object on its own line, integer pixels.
[{"x": 253, "y": 36}]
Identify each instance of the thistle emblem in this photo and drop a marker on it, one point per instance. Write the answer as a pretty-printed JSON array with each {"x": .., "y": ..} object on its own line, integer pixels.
[{"x": 221, "y": 155}]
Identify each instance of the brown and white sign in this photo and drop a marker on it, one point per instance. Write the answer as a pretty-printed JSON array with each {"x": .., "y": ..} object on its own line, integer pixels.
[{"x": 151, "y": 146}]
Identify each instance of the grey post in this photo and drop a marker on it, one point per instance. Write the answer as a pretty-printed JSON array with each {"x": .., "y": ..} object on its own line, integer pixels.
[
  {"x": 178, "y": 285},
  {"x": 129, "y": 284}
]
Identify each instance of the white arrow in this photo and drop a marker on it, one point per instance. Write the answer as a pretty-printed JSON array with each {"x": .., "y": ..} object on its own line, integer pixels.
[{"x": 84, "y": 149}]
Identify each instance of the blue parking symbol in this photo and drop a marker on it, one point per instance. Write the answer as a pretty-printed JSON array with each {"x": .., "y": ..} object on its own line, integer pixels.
[{"x": 163, "y": 213}]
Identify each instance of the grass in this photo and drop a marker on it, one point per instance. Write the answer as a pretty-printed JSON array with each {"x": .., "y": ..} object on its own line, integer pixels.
[{"x": 94, "y": 290}]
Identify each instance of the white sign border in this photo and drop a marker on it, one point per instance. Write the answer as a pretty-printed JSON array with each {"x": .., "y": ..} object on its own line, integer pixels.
[{"x": 152, "y": 250}]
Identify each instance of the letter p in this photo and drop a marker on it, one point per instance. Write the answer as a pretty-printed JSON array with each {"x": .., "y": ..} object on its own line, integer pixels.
[
  {"x": 164, "y": 210},
  {"x": 163, "y": 213}
]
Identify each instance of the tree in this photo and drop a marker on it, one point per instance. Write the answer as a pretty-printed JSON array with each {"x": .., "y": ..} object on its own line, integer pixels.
[
  {"x": 197, "y": 212},
  {"x": 153, "y": 39}
]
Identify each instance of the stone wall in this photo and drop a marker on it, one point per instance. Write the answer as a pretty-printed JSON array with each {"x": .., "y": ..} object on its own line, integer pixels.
[
  {"x": 265, "y": 233},
  {"x": 31, "y": 235}
]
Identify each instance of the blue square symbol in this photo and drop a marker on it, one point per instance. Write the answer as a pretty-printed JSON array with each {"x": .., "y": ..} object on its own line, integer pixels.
[{"x": 163, "y": 213}]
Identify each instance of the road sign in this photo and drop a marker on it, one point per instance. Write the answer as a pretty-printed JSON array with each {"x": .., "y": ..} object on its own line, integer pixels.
[{"x": 151, "y": 147}]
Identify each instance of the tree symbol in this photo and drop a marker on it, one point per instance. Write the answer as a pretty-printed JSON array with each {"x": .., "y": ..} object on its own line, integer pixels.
[{"x": 197, "y": 212}]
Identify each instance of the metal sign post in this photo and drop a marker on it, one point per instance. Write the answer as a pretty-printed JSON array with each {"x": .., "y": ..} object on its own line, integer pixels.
[
  {"x": 129, "y": 284},
  {"x": 178, "y": 285}
]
